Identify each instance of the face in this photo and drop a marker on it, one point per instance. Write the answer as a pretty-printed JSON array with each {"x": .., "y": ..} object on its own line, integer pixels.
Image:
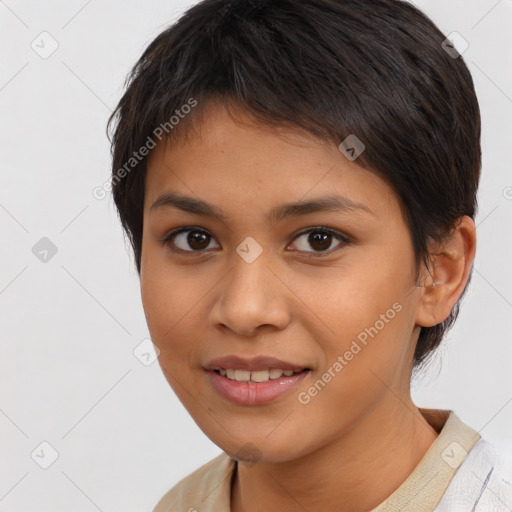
[{"x": 329, "y": 291}]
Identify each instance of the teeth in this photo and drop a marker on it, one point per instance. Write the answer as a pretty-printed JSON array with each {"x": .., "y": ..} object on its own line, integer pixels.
[
  {"x": 275, "y": 374},
  {"x": 256, "y": 375}
]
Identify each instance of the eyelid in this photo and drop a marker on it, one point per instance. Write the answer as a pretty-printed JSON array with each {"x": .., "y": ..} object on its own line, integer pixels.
[{"x": 343, "y": 238}]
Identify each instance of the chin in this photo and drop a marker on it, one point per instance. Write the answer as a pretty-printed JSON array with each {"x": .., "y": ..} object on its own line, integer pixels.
[{"x": 260, "y": 450}]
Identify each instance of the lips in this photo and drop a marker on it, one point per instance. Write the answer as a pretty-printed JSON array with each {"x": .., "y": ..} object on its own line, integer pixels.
[
  {"x": 250, "y": 393},
  {"x": 253, "y": 364}
]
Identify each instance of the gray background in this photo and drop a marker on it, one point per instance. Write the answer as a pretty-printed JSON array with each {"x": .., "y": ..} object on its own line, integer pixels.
[{"x": 69, "y": 325}]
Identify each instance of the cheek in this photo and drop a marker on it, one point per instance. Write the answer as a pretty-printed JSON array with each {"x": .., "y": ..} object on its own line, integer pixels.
[
  {"x": 159, "y": 294},
  {"x": 359, "y": 300},
  {"x": 172, "y": 306},
  {"x": 154, "y": 300},
  {"x": 159, "y": 288},
  {"x": 369, "y": 323}
]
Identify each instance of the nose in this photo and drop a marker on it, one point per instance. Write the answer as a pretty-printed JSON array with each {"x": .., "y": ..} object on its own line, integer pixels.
[{"x": 251, "y": 297}]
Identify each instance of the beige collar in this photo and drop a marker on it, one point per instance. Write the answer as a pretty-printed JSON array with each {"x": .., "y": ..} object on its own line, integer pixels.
[{"x": 208, "y": 489}]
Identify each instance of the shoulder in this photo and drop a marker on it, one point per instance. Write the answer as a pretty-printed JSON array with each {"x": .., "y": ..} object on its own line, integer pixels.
[
  {"x": 207, "y": 486},
  {"x": 484, "y": 479}
]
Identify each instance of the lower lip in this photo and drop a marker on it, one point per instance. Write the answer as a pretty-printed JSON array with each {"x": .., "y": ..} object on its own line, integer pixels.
[{"x": 254, "y": 393}]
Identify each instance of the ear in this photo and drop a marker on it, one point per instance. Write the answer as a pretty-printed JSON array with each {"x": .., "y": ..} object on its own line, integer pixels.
[{"x": 451, "y": 261}]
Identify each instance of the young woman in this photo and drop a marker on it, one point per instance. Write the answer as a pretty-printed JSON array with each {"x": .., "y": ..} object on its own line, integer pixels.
[{"x": 298, "y": 181}]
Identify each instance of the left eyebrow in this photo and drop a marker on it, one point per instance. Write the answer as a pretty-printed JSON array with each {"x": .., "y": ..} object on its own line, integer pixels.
[{"x": 332, "y": 203}]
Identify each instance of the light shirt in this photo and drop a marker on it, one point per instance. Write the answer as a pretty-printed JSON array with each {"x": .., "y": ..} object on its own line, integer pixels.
[{"x": 461, "y": 472}]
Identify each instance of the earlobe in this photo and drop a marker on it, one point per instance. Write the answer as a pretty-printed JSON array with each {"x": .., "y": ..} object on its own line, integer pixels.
[{"x": 451, "y": 262}]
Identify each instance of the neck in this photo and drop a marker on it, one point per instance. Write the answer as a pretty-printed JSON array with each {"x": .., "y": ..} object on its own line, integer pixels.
[{"x": 358, "y": 470}]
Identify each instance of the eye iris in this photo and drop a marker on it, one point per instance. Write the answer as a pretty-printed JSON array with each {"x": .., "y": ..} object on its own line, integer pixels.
[
  {"x": 196, "y": 240},
  {"x": 318, "y": 237}
]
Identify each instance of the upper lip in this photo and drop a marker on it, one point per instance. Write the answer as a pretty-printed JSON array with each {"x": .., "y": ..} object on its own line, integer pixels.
[{"x": 252, "y": 364}]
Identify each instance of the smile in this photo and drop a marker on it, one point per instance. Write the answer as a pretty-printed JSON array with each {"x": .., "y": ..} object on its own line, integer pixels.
[
  {"x": 257, "y": 387},
  {"x": 256, "y": 375}
]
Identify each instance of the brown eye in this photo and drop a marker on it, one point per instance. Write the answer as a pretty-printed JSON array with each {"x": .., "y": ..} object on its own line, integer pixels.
[
  {"x": 189, "y": 240},
  {"x": 197, "y": 240},
  {"x": 320, "y": 240}
]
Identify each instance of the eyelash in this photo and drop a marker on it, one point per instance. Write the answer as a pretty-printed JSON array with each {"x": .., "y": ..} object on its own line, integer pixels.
[{"x": 168, "y": 240}]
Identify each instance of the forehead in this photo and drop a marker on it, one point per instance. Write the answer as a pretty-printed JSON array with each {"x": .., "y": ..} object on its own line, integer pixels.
[{"x": 231, "y": 161}]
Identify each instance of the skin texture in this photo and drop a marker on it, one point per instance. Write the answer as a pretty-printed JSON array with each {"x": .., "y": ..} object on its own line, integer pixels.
[{"x": 361, "y": 436}]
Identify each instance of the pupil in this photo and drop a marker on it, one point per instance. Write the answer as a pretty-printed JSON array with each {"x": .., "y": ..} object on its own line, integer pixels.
[
  {"x": 319, "y": 238},
  {"x": 196, "y": 240}
]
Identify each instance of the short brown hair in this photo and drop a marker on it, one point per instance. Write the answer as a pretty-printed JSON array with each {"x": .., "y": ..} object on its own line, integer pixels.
[{"x": 374, "y": 68}]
